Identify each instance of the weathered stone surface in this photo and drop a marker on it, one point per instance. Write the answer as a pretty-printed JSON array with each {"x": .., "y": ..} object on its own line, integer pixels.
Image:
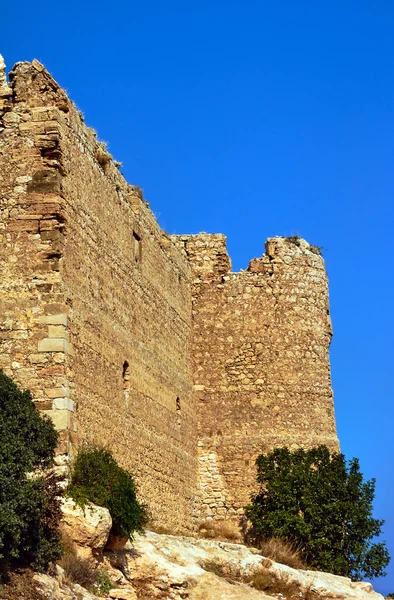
[
  {"x": 123, "y": 594},
  {"x": 88, "y": 528},
  {"x": 261, "y": 368},
  {"x": 180, "y": 568},
  {"x": 55, "y": 588},
  {"x": 52, "y": 345},
  {"x": 210, "y": 587}
]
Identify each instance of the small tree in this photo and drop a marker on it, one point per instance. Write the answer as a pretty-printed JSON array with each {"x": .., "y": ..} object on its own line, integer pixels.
[
  {"x": 29, "y": 504},
  {"x": 315, "y": 499},
  {"x": 96, "y": 477}
]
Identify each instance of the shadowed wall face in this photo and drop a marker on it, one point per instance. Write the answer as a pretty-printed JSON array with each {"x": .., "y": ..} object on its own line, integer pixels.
[{"x": 260, "y": 361}]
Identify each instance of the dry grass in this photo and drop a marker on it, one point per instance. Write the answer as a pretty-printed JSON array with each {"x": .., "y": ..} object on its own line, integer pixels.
[
  {"x": 225, "y": 531},
  {"x": 229, "y": 571},
  {"x": 282, "y": 552},
  {"x": 76, "y": 569},
  {"x": 279, "y": 584},
  {"x": 160, "y": 529},
  {"x": 21, "y": 586}
]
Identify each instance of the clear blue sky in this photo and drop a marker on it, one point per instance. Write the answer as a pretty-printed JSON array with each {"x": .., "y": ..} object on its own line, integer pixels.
[{"x": 255, "y": 119}]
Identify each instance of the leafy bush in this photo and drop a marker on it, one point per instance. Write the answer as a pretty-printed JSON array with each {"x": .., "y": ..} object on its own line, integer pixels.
[
  {"x": 96, "y": 477},
  {"x": 29, "y": 500},
  {"x": 313, "y": 498},
  {"x": 103, "y": 583}
]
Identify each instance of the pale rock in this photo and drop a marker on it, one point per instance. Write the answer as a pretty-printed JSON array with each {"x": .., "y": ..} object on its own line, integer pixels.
[
  {"x": 123, "y": 594},
  {"x": 88, "y": 528},
  {"x": 211, "y": 587}
]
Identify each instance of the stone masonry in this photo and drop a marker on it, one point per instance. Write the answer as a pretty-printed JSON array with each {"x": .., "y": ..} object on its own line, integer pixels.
[{"x": 142, "y": 341}]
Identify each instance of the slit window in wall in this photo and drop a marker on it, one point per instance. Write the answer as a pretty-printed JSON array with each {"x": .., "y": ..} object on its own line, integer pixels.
[
  {"x": 126, "y": 379},
  {"x": 137, "y": 253},
  {"x": 178, "y": 410}
]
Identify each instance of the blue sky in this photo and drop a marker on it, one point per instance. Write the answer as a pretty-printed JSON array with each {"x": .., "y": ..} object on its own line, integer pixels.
[{"x": 255, "y": 119}]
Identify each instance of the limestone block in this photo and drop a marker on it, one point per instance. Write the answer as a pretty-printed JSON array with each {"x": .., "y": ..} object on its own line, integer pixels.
[
  {"x": 52, "y": 345},
  {"x": 123, "y": 594},
  {"x": 56, "y": 331},
  {"x": 61, "y": 392},
  {"x": 63, "y": 404},
  {"x": 88, "y": 528},
  {"x": 60, "y": 418},
  {"x": 59, "y": 319}
]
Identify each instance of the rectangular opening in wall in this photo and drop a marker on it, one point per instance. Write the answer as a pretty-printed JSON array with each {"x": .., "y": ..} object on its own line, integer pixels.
[{"x": 137, "y": 255}]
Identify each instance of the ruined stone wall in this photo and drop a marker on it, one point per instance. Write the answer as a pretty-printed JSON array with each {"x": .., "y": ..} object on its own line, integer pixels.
[
  {"x": 96, "y": 298},
  {"x": 33, "y": 308},
  {"x": 144, "y": 342},
  {"x": 261, "y": 367}
]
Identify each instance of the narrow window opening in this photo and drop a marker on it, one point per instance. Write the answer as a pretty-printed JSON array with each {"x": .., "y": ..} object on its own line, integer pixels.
[
  {"x": 126, "y": 382},
  {"x": 126, "y": 374},
  {"x": 178, "y": 411},
  {"x": 137, "y": 248}
]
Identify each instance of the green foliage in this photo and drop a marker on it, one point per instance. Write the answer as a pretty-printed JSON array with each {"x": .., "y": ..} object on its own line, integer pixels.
[
  {"x": 317, "y": 500},
  {"x": 29, "y": 500},
  {"x": 96, "y": 477},
  {"x": 103, "y": 583}
]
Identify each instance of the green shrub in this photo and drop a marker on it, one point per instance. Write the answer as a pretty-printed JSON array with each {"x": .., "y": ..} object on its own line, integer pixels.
[
  {"x": 96, "y": 477},
  {"x": 313, "y": 498},
  {"x": 29, "y": 500},
  {"x": 102, "y": 584}
]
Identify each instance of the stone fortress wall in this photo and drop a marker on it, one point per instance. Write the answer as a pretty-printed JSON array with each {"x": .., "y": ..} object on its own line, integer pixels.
[
  {"x": 261, "y": 367},
  {"x": 142, "y": 341}
]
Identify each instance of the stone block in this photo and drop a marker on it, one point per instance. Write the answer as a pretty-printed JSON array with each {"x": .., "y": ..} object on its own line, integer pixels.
[
  {"x": 60, "y": 319},
  {"x": 60, "y": 418},
  {"x": 61, "y": 392},
  {"x": 56, "y": 331},
  {"x": 52, "y": 345},
  {"x": 63, "y": 404}
]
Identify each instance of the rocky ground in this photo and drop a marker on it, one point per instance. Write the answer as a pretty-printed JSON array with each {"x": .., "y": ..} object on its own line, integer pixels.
[
  {"x": 168, "y": 567},
  {"x": 173, "y": 568}
]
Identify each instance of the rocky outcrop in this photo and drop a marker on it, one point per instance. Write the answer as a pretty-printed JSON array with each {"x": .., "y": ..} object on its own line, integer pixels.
[
  {"x": 88, "y": 527},
  {"x": 195, "y": 568},
  {"x": 180, "y": 568}
]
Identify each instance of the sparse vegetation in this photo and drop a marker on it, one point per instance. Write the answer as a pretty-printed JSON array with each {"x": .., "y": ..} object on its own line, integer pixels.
[
  {"x": 103, "y": 583},
  {"x": 76, "y": 569},
  {"x": 138, "y": 191},
  {"x": 82, "y": 571},
  {"x": 96, "y": 477},
  {"x": 229, "y": 571},
  {"x": 317, "y": 500},
  {"x": 316, "y": 249},
  {"x": 226, "y": 531},
  {"x": 160, "y": 529},
  {"x": 294, "y": 239},
  {"x": 29, "y": 499},
  {"x": 279, "y": 584},
  {"x": 282, "y": 551}
]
